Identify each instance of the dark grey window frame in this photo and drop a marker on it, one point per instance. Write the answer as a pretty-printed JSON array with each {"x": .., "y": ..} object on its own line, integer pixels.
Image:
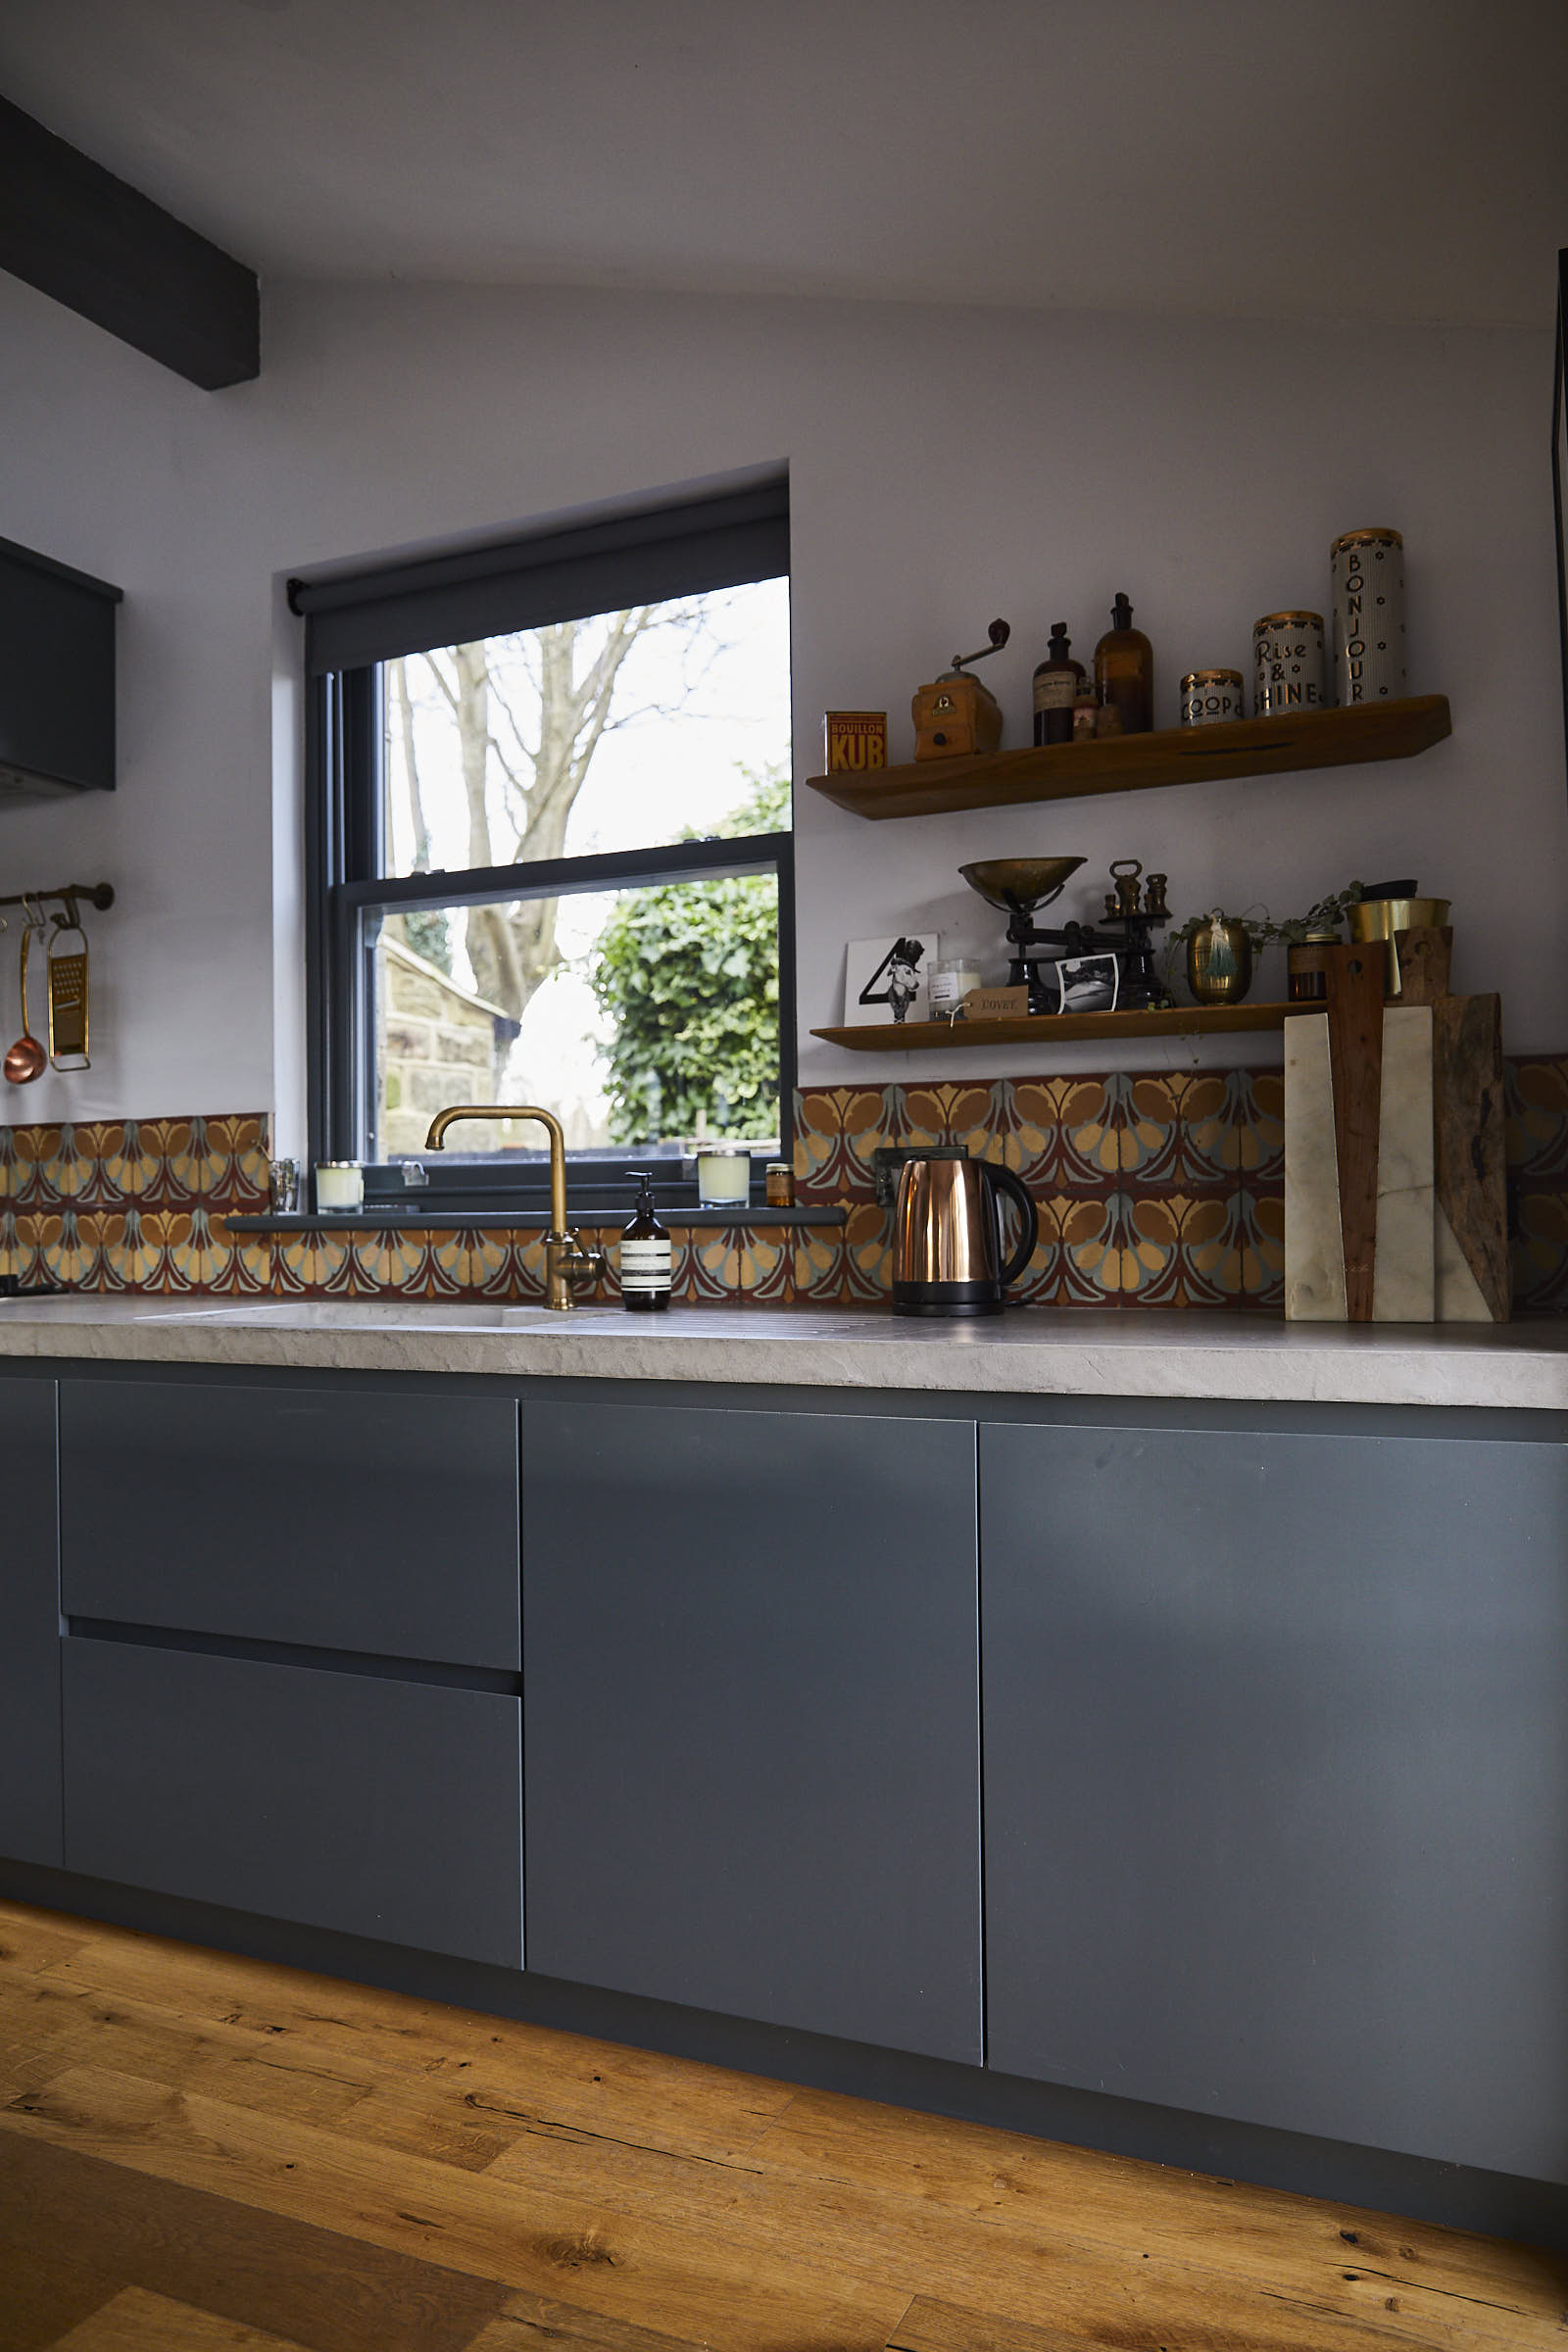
[{"x": 356, "y": 624}]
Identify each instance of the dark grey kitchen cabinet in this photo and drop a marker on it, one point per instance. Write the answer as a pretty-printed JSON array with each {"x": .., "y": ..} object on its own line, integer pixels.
[
  {"x": 29, "y": 1626},
  {"x": 332, "y": 1518},
  {"x": 380, "y": 1807},
  {"x": 751, "y": 1714},
  {"x": 1276, "y": 1775}
]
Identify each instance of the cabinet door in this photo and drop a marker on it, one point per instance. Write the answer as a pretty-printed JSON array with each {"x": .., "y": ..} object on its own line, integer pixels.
[
  {"x": 348, "y": 1519},
  {"x": 1276, "y": 1757},
  {"x": 29, "y": 1626},
  {"x": 383, "y": 1808},
  {"x": 750, "y": 1715}
]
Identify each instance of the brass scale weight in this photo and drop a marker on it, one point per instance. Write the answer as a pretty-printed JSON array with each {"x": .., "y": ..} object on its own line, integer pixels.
[{"x": 1134, "y": 912}]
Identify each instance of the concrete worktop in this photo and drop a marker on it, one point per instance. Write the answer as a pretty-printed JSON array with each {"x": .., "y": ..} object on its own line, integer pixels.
[{"x": 1037, "y": 1351}]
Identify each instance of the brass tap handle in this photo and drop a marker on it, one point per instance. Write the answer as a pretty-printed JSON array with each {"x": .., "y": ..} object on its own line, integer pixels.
[{"x": 569, "y": 1267}]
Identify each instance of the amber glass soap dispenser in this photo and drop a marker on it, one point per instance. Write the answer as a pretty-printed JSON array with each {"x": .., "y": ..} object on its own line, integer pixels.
[
  {"x": 1124, "y": 671},
  {"x": 645, "y": 1254}
]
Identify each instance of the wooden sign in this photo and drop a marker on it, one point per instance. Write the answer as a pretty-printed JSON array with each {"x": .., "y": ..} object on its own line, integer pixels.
[{"x": 996, "y": 1004}]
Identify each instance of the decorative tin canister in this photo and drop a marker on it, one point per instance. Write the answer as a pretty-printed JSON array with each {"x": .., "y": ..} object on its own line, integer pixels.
[
  {"x": 1288, "y": 666},
  {"x": 1219, "y": 960},
  {"x": 1368, "y": 628},
  {"x": 1209, "y": 695}
]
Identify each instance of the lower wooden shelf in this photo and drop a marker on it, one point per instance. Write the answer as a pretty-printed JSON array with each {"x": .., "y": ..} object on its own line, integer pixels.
[{"x": 1044, "y": 1029}]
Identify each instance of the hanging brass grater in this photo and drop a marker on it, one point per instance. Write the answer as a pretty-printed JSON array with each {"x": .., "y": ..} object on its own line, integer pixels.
[{"x": 67, "y": 997}]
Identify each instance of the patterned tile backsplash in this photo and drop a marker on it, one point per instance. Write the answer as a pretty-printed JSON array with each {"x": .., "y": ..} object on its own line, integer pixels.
[{"x": 1153, "y": 1190}]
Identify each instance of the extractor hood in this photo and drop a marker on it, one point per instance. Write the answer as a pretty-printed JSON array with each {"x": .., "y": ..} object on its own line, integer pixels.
[{"x": 57, "y": 678}]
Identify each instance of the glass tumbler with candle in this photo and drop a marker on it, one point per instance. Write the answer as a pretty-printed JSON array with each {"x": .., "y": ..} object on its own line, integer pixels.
[
  {"x": 339, "y": 1188},
  {"x": 724, "y": 1175}
]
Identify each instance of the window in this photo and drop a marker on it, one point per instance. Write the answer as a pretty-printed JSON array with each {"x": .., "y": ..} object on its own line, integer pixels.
[{"x": 550, "y": 848}]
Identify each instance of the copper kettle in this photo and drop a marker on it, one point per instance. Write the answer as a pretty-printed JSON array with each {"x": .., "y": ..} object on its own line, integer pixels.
[{"x": 946, "y": 1234}]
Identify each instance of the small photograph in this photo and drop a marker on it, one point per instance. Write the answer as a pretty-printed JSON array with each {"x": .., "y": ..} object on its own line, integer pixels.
[
  {"x": 1082, "y": 983},
  {"x": 885, "y": 979}
]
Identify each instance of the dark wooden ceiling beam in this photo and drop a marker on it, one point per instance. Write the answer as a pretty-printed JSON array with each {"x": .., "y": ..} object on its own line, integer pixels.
[{"x": 80, "y": 235}]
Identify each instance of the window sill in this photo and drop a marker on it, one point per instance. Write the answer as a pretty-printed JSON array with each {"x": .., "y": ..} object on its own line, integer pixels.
[{"x": 483, "y": 1220}]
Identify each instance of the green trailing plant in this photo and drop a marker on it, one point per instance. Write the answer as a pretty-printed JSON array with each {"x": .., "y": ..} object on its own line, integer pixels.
[{"x": 1324, "y": 914}]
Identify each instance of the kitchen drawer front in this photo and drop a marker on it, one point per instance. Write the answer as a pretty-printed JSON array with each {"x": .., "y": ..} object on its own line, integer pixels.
[
  {"x": 751, "y": 1717},
  {"x": 1275, "y": 1753},
  {"x": 351, "y": 1802},
  {"x": 29, "y": 1626},
  {"x": 334, "y": 1518}
]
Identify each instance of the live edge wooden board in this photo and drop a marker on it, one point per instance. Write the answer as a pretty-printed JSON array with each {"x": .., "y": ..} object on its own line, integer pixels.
[
  {"x": 1073, "y": 772},
  {"x": 1056, "y": 1028}
]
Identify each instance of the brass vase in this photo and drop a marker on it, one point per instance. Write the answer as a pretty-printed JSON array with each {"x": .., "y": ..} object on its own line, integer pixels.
[{"x": 1220, "y": 962}]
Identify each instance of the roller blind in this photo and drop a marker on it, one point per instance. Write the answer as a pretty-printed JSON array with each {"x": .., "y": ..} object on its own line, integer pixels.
[{"x": 669, "y": 550}]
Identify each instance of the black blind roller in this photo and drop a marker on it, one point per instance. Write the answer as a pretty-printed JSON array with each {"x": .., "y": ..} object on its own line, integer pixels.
[{"x": 559, "y": 575}]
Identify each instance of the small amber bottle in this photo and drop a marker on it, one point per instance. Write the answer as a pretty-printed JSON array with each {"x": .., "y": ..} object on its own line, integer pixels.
[
  {"x": 1059, "y": 682},
  {"x": 1124, "y": 671}
]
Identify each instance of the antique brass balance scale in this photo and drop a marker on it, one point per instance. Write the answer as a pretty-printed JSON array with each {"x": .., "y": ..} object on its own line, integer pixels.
[{"x": 1135, "y": 909}]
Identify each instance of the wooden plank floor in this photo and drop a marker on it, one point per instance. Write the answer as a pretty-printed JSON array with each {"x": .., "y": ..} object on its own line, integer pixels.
[{"x": 199, "y": 2153}]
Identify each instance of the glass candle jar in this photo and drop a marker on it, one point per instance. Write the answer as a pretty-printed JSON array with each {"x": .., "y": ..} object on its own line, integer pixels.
[
  {"x": 339, "y": 1187},
  {"x": 724, "y": 1175},
  {"x": 950, "y": 982},
  {"x": 780, "y": 1183}
]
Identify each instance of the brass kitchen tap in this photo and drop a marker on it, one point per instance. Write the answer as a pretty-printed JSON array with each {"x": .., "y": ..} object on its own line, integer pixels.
[{"x": 567, "y": 1262}]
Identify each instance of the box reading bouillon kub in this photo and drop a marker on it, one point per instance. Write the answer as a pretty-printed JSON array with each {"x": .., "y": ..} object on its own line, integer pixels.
[{"x": 854, "y": 739}]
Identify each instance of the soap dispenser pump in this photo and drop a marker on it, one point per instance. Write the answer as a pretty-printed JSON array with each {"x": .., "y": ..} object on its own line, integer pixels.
[{"x": 645, "y": 1254}]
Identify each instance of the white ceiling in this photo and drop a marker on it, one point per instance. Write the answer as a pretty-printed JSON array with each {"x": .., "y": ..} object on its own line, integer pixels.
[{"x": 1403, "y": 159}]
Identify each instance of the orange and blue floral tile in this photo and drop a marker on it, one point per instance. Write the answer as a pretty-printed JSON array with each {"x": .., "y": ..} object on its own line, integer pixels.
[
  {"x": 68, "y": 1248},
  {"x": 313, "y": 1264},
  {"x": 706, "y": 1272},
  {"x": 130, "y": 1168},
  {"x": 867, "y": 1257},
  {"x": 1233, "y": 1126},
  {"x": 251, "y": 1255},
  {"x": 244, "y": 1139},
  {"x": 1091, "y": 1133},
  {"x": 837, "y": 1130},
  {"x": 8, "y": 1165},
  {"x": 818, "y": 1252},
  {"x": 1535, "y": 1095},
  {"x": 132, "y": 1257},
  {"x": 1259, "y": 1249},
  {"x": 474, "y": 1258},
  {"x": 1091, "y": 1250},
  {"x": 37, "y": 1147},
  {"x": 1040, "y": 1282},
  {"x": 198, "y": 1252},
  {"x": 764, "y": 1264},
  {"x": 389, "y": 1258},
  {"x": 1030, "y": 1111},
  {"x": 1180, "y": 1249},
  {"x": 1540, "y": 1251}
]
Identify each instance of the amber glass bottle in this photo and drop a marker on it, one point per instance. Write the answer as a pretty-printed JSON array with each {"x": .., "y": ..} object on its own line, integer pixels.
[
  {"x": 1059, "y": 682},
  {"x": 645, "y": 1254},
  {"x": 1124, "y": 671}
]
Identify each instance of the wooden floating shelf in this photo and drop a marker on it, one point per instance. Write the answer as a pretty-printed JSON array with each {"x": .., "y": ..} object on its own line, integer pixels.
[
  {"x": 1076, "y": 771},
  {"x": 1047, "y": 1028}
]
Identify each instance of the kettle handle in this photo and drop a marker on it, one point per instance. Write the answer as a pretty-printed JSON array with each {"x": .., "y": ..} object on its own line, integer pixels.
[{"x": 1029, "y": 1217}]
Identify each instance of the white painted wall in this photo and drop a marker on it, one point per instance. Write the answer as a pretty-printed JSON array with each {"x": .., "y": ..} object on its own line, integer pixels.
[{"x": 946, "y": 466}]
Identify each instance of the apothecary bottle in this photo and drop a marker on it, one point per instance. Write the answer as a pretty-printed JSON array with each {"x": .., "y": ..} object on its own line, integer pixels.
[
  {"x": 646, "y": 1269},
  {"x": 1124, "y": 671},
  {"x": 1059, "y": 682}
]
